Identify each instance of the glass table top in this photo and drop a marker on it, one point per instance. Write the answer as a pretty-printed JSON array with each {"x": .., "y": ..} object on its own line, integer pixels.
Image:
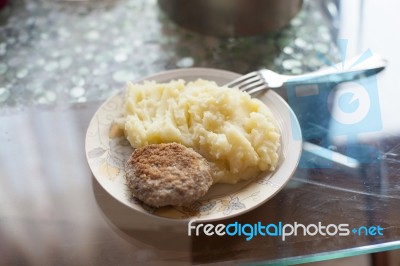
[
  {"x": 58, "y": 53},
  {"x": 59, "y": 60}
]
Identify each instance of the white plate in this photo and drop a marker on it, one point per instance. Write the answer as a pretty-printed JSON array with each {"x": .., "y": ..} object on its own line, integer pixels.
[{"x": 106, "y": 157}]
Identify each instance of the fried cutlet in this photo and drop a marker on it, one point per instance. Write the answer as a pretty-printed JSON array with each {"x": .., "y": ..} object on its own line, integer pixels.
[{"x": 167, "y": 174}]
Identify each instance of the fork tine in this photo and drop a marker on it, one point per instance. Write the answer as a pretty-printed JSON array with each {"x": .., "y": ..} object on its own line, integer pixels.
[
  {"x": 257, "y": 89},
  {"x": 253, "y": 85},
  {"x": 241, "y": 79},
  {"x": 247, "y": 82}
]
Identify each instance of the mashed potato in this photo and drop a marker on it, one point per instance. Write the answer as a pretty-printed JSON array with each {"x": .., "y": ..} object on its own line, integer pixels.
[{"x": 237, "y": 134}]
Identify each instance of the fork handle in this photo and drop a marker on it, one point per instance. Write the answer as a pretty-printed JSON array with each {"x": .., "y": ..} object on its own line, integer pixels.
[{"x": 338, "y": 74}]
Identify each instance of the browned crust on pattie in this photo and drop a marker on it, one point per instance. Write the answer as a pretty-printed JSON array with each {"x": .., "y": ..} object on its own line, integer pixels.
[{"x": 167, "y": 174}]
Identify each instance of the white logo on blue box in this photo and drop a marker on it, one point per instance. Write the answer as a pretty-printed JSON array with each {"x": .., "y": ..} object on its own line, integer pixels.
[{"x": 326, "y": 109}]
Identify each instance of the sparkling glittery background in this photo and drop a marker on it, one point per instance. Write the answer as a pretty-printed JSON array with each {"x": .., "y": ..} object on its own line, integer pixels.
[{"x": 60, "y": 53}]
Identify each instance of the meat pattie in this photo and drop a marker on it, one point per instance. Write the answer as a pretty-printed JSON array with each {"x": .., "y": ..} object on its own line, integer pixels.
[{"x": 167, "y": 174}]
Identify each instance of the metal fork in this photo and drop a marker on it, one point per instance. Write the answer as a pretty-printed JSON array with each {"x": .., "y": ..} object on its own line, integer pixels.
[{"x": 260, "y": 80}]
